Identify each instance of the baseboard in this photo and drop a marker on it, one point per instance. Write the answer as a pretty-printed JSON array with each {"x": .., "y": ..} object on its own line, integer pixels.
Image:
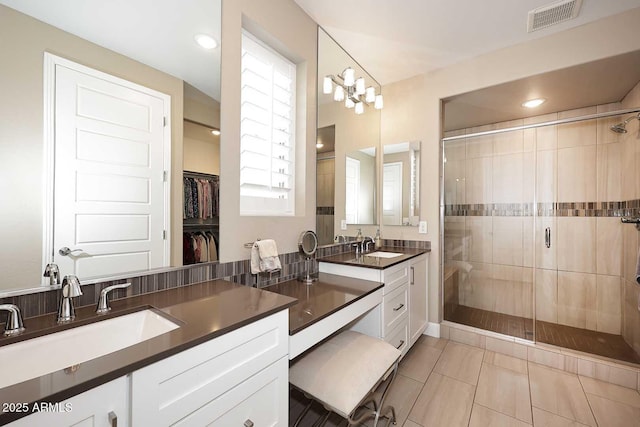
[{"x": 433, "y": 330}]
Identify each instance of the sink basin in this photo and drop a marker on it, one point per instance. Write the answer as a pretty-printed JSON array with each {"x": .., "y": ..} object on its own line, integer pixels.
[
  {"x": 381, "y": 254},
  {"x": 49, "y": 353}
]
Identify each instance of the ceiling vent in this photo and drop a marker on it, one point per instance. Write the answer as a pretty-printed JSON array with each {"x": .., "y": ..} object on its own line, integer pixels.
[{"x": 552, "y": 14}]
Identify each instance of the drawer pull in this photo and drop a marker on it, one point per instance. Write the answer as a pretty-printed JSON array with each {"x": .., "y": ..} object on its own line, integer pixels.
[
  {"x": 113, "y": 419},
  {"x": 398, "y": 307},
  {"x": 248, "y": 423},
  {"x": 401, "y": 344},
  {"x": 413, "y": 276}
]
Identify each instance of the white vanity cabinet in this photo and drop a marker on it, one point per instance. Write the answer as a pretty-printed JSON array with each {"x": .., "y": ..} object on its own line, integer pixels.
[
  {"x": 402, "y": 316},
  {"x": 240, "y": 378},
  {"x": 104, "y": 406},
  {"x": 418, "y": 307}
]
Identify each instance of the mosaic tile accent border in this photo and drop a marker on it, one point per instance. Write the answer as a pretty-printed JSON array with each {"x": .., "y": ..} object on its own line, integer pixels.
[
  {"x": 293, "y": 264},
  {"x": 562, "y": 209},
  {"x": 325, "y": 210}
]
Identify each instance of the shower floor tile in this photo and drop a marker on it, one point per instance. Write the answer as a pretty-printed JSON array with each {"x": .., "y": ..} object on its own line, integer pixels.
[{"x": 600, "y": 343}]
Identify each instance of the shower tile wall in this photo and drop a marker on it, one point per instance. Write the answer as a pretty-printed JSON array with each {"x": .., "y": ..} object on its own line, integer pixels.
[
  {"x": 490, "y": 185},
  {"x": 630, "y": 184}
]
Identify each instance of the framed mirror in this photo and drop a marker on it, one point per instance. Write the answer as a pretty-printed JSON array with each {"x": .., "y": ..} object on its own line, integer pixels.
[
  {"x": 401, "y": 184},
  {"x": 342, "y": 134},
  {"x": 156, "y": 51}
]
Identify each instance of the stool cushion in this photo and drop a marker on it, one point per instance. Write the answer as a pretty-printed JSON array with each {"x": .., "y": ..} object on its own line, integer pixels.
[{"x": 342, "y": 371}]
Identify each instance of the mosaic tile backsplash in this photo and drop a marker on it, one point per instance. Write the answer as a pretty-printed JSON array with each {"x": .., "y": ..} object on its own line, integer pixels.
[{"x": 293, "y": 265}]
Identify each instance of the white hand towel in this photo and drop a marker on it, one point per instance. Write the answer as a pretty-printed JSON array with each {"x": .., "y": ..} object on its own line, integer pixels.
[{"x": 264, "y": 256}]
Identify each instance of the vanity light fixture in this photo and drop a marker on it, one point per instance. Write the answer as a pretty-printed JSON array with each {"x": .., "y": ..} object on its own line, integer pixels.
[
  {"x": 354, "y": 92},
  {"x": 533, "y": 103},
  {"x": 206, "y": 41}
]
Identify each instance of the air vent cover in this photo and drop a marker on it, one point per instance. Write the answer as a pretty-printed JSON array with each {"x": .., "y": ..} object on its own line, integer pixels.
[{"x": 552, "y": 14}]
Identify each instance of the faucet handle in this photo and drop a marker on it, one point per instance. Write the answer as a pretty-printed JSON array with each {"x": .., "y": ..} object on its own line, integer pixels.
[
  {"x": 103, "y": 302},
  {"x": 71, "y": 286},
  {"x": 53, "y": 273},
  {"x": 14, "y": 325}
]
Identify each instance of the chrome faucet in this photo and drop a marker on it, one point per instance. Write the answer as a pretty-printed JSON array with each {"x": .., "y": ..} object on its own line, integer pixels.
[
  {"x": 368, "y": 240},
  {"x": 53, "y": 273},
  {"x": 70, "y": 289},
  {"x": 340, "y": 238},
  {"x": 14, "y": 325},
  {"x": 103, "y": 302}
]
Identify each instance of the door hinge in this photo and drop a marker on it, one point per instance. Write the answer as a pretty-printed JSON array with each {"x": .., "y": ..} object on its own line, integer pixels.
[
  {"x": 164, "y": 234},
  {"x": 165, "y": 176}
]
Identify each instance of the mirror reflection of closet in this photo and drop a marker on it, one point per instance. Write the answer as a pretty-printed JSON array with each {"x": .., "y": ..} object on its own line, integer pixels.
[
  {"x": 201, "y": 177},
  {"x": 400, "y": 184}
]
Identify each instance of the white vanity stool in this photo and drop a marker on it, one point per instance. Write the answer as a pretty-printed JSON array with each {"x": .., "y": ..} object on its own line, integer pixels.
[{"x": 343, "y": 373}]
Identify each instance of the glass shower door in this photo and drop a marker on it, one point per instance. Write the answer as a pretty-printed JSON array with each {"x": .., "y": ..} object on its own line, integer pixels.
[{"x": 489, "y": 202}]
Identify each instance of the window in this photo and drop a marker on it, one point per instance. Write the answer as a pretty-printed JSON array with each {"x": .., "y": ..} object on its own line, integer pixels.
[{"x": 267, "y": 132}]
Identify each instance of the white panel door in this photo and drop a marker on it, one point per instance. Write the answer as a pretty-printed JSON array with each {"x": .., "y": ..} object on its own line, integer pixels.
[
  {"x": 352, "y": 179},
  {"x": 392, "y": 194},
  {"x": 109, "y": 200}
]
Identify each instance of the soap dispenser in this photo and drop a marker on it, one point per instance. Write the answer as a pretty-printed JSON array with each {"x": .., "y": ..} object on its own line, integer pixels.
[
  {"x": 359, "y": 235},
  {"x": 377, "y": 241}
]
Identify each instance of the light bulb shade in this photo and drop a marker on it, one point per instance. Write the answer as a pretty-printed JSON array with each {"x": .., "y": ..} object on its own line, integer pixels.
[
  {"x": 349, "y": 103},
  {"x": 370, "y": 94},
  {"x": 327, "y": 86},
  {"x": 379, "y": 103},
  {"x": 338, "y": 95},
  {"x": 359, "y": 108},
  {"x": 349, "y": 76},
  {"x": 360, "y": 90}
]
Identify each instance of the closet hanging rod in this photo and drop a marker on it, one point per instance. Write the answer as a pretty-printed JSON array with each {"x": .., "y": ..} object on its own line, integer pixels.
[
  {"x": 550, "y": 123},
  {"x": 201, "y": 174}
]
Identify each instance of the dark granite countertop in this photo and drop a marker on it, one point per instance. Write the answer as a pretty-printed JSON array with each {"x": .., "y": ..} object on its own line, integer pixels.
[
  {"x": 204, "y": 311},
  {"x": 349, "y": 258},
  {"x": 321, "y": 299}
]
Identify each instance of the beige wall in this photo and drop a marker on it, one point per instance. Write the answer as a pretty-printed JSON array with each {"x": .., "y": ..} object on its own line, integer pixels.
[
  {"x": 412, "y": 106},
  {"x": 288, "y": 29},
  {"x": 21, "y": 133}
]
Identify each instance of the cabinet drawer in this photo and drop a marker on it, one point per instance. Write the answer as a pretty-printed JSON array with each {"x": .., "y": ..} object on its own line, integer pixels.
[
  {"x": 399, "y": 338},
  {"x": 261, "y": 400},
  {"x": 167, "y": 391},
  {"x": 395, "y": 307},
  {"x": 395, "y": 276}
]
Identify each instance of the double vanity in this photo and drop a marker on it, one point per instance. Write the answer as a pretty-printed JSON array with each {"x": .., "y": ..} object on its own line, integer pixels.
[{"x": 213, "y": 352}]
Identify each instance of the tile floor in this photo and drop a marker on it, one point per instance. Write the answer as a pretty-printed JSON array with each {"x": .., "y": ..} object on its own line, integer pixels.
[{"x": 444, "y": 383}]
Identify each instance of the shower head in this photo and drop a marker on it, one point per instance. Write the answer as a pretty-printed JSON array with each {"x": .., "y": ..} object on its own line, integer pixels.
[{"x": 622, "y": 127}]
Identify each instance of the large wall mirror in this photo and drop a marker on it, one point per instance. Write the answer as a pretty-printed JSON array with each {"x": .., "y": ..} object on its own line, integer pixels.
[
  {"x": 347, "y": 139},
  {"x": 148, "y": 43},
  {"x": 401, "y": 184}
]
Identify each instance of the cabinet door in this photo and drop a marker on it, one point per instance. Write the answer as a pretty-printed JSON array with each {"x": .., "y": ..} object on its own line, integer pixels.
[
  {"x": 417, "y": 297},
  {"x": 193, "y": 381},
  {"x": 91, "y": 408}
]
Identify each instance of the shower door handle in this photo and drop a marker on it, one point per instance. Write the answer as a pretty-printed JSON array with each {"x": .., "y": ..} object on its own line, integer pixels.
[{"x": 547, "y": 237}]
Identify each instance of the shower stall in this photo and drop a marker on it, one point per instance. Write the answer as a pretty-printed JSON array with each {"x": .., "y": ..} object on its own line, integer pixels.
[{"x": 533, "y": 242}]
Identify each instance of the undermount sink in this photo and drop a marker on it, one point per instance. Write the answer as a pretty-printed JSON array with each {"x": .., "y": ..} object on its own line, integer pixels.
[
  {"x": 34, "y": 357},
  {"x": 381, "y": 254}
]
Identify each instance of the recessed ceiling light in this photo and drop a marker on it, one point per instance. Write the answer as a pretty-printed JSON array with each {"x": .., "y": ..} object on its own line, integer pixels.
[
  {"x": 533, "y": 103},
  {"x": 215, "y": 132},
  {"x": 319, "y": 145},
  {"x": 206, "y": 41}
]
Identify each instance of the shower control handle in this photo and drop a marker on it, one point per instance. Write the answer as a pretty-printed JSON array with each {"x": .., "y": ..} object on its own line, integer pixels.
[{"x": 547, "y": 237}]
